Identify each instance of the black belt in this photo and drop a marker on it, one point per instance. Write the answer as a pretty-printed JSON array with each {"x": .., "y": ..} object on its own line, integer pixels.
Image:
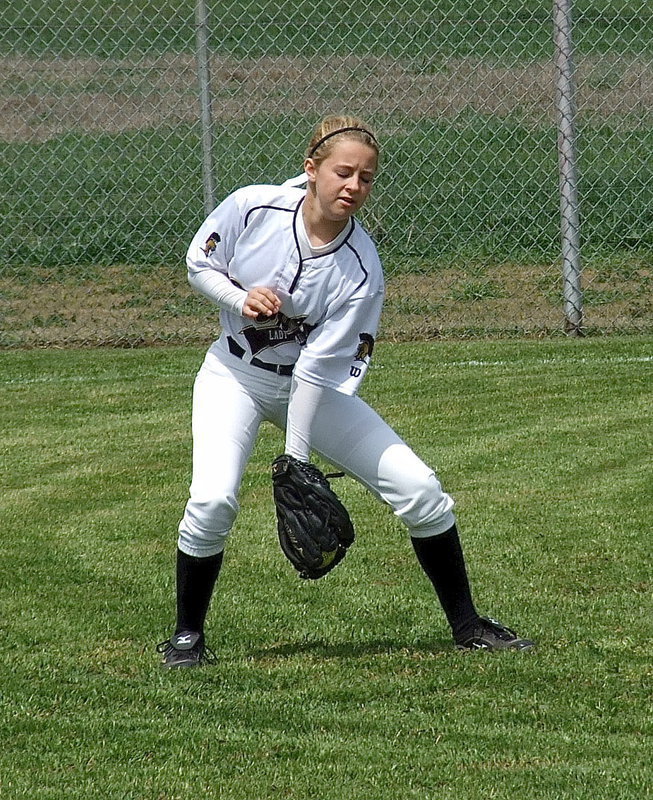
[{"x": 236, "y": 350}]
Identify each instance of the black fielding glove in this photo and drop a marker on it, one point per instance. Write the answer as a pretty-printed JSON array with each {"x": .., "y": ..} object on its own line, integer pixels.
[{"x": 313, "y": 525}]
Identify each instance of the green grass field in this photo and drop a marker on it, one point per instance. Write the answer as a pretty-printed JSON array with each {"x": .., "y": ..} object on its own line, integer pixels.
[{"x": 347, "y": 687}]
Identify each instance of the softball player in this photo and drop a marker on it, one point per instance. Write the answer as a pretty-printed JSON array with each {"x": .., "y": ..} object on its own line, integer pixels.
[{"x": 300, "y": 287}]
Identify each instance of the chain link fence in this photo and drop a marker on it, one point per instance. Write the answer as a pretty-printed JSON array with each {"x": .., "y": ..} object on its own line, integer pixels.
[{"x": 102, "y": 149}]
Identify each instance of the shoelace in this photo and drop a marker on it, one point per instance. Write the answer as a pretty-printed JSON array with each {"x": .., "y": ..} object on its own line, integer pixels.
[
  {"x": 500, "y": 630},
  {"x": 205, "y": 653}
]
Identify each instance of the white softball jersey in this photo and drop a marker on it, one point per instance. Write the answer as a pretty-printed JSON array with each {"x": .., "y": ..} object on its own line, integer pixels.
[{"x": 331, "y": 297}]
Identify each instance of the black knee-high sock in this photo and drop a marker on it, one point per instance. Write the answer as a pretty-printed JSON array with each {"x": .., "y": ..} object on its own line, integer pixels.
[
  {"x": 441, "y": 557},
  {"x": 196, "y": 579}
]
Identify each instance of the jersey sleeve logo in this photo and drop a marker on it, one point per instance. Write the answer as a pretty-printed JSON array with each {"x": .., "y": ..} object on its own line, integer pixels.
[
  {"x": 211, "y": 244},
  {"x": 363, "y": 353},
  {"x": 365, "y": 347}
]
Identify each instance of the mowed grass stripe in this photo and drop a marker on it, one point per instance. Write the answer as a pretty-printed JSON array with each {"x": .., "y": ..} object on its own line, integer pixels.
[{"x": 349, "y": 686}]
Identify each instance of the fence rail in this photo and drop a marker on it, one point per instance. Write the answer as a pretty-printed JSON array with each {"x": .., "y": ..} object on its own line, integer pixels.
[{"x": 109, "y": 158}]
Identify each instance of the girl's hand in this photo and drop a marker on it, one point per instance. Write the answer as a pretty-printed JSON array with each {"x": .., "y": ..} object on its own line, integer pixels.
[{"x": 261, "y": 302}]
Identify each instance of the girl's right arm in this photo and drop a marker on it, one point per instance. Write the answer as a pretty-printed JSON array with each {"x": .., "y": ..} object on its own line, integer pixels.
[{"x": 210, "y": 252}]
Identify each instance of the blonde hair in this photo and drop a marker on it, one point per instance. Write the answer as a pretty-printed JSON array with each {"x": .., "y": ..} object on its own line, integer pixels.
[{"x": 332, "y": 129}]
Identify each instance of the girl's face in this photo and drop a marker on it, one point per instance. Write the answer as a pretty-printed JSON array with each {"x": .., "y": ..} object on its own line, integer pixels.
[{"x": 343, "y": 181}]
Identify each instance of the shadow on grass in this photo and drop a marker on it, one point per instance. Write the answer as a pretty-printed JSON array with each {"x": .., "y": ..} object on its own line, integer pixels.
[{"x": 323, "y": 649}]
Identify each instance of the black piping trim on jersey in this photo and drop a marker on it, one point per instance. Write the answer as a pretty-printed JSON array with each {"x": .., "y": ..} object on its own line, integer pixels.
[
  {"x": 295, "y": 212},
  {"x": 293, "y": 285},
  {"x": 273, "y": 208},
  {"x": 360, "y": 264}
]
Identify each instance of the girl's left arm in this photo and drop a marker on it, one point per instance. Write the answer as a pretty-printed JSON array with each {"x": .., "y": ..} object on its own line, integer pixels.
[{"x": 335, "y": 359}]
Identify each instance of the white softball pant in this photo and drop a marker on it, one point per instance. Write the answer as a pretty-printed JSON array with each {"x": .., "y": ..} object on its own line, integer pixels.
[{"x": 230, "y": 401}]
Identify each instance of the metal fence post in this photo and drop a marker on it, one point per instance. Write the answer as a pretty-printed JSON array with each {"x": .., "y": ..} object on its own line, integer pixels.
[
  {"x": 206, "y": 118},
  {"x": 569, "y": 215}
]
